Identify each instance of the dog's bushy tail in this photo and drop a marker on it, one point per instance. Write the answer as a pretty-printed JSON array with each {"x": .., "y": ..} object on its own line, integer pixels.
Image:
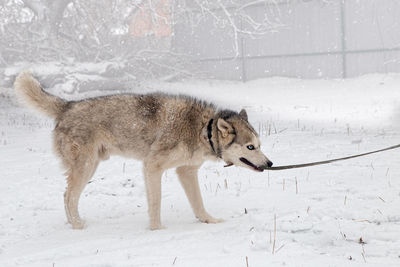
[{"x": 29, "y": 91}]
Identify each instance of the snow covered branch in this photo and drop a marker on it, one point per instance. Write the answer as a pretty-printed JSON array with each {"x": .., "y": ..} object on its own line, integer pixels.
[
  {"x": 121, "y": 30},
  {"x": 234, "y": 16}
]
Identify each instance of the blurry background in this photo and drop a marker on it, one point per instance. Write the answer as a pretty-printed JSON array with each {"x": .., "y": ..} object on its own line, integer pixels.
[
  {"x": 333, "y": 215},
  {"x": 134, "y": 40}
]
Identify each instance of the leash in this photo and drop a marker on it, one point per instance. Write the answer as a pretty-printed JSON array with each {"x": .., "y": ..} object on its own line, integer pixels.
[{"x": 277, "y": 168}]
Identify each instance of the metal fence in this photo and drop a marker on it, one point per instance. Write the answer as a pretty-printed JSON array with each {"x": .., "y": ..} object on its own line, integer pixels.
[{"x": 317, "y": 39}]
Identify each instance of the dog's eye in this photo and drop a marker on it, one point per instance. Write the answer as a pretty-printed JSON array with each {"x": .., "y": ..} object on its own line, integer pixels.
[{"x": 250, "y": 147}]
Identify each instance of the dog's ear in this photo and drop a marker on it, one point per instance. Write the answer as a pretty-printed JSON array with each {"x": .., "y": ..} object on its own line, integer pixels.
[
  {"x": 224, "y": 127},
  {"x": 243, "y": 114}
]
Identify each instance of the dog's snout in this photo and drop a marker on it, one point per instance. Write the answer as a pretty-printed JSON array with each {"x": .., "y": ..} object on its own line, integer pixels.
[{"x": 269, "y": 163}]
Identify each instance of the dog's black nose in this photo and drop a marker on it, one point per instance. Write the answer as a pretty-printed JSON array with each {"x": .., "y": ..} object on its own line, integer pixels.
[{"x": 269, "y": 164}]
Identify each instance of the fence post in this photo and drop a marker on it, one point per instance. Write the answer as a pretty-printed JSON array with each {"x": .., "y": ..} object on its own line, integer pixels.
[
  {"x": 343, "y": 31},
  {"x": 244, "y": 72},
  {"x": 242, "y": 53}
]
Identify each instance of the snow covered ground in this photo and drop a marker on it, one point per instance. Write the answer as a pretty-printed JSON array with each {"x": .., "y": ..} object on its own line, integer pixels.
[{"x": 344, "y": 214}]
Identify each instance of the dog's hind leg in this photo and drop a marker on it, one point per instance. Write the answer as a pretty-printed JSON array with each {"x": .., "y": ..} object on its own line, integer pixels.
[
  {"x": 188, "y": 178},
  {"x": 79, "y": 175}
]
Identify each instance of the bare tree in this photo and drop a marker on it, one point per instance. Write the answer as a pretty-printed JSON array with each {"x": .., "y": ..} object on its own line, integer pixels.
[
  {"x": 233, "y": 16},
  {"x": 138, "y": 34}
]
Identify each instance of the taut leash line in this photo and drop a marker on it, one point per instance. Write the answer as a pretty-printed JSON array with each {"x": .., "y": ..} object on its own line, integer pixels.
[{"x": 277, "y": 168}]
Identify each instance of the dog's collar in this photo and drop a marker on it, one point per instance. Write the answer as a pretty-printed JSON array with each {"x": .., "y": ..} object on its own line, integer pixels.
[{"x": 209, "y": 135}]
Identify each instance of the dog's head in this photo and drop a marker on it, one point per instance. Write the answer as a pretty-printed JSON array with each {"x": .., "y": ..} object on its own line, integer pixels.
[{"x": 238, "y": 142}]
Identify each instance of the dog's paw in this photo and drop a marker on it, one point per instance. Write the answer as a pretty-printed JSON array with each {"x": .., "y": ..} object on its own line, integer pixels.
[
  {"x": 78, "y": 225},
  {"x": 210, "y": 219},
  {"x": 156, "y": 226}
]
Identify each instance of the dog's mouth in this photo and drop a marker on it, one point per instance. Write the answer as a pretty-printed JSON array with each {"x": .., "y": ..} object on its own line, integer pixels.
[
  {"x": 254, "y": 167},
  {"x": 228, "y": 164}
]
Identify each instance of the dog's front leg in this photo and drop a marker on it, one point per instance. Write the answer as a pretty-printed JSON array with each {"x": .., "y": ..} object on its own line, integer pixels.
[
  {"x": 188, "y": 178},
  {"x": 152, "y": 176}
]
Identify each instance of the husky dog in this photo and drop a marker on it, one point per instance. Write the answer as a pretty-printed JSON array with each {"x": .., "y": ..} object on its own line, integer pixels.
[{"x": 163, "y": 131}]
